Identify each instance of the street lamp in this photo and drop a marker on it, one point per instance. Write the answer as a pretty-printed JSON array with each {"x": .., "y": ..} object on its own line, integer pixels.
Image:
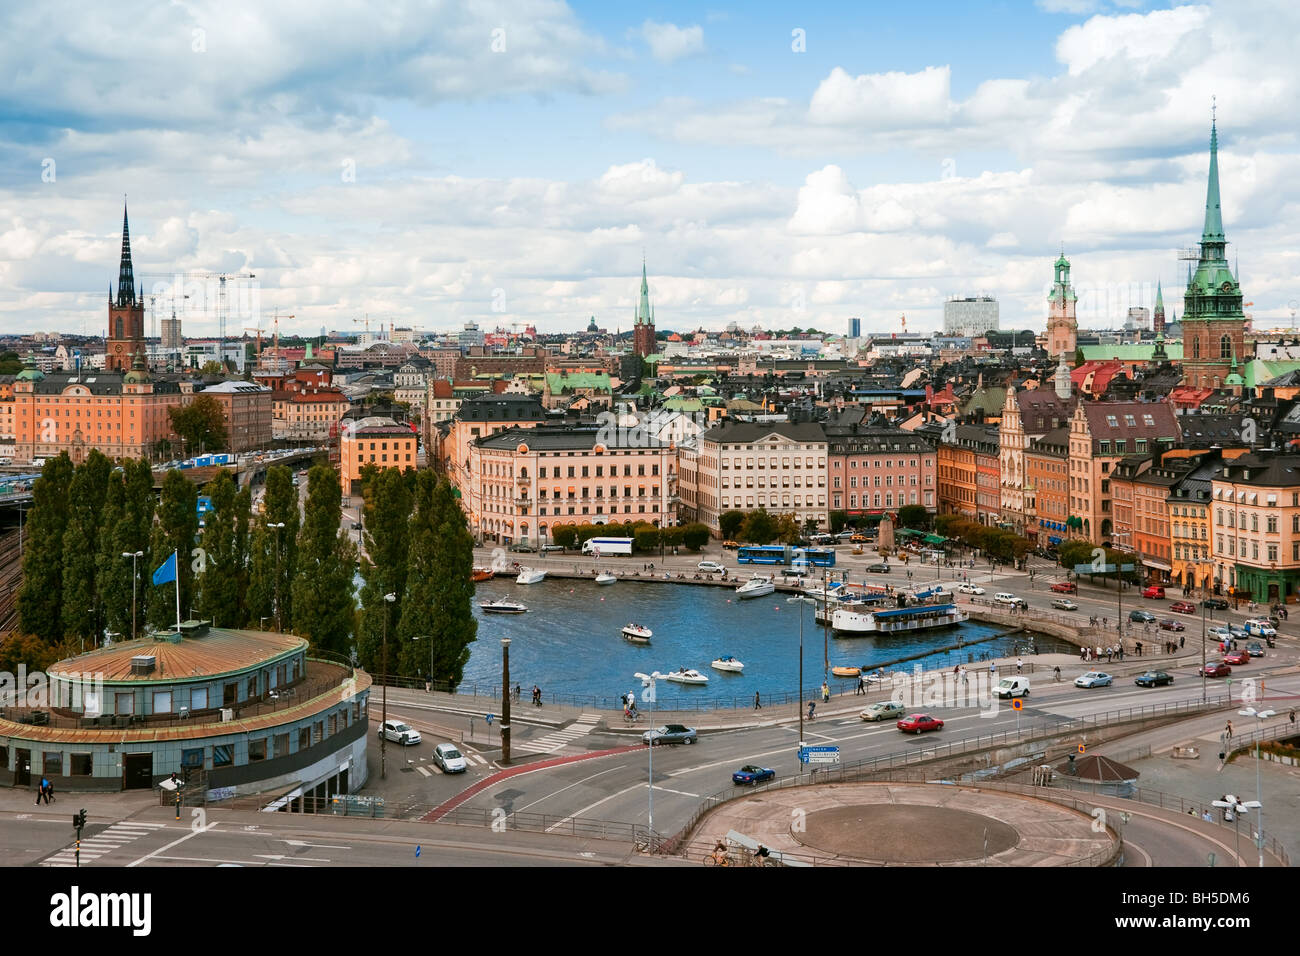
[
  {"x": 1260, "y": 716},
  {"x": 505, "y": 700},
  {"x": 801, "y": 601},
  {"x": 1237, "y": 808},
  {"x": 383, "y": 725},
  {"x": 278, "y": 545},
  {"x": 133, "y": 555},
  {"x": 648, "y": 680}
]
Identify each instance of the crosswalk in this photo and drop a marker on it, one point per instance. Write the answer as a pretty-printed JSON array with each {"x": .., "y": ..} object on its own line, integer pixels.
[
  {"x": 559, "y": 739},
  {"x": 432, "y": 768},
  {"x": 92, "y": 848}
]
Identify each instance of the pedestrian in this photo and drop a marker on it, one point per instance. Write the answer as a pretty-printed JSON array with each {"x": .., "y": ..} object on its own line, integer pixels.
[
  {"x": 1228, "y": 730},
  {"x": 1138, "y": 646},
  {"x": 1207, "y": 816},
  {"x": 993, "y": 668},
  {"x": 1019, "y": 665},
  {"x": 1097, "y": 656},
  {"x": 1181, "y": 641},
  {"x": 826, "y": 693},
  {"x": 812, "y": 707},
  {"x": 1292, "y": 716},
  {"x": 43, "y": 791},
  {"x": 862, "y": 686},
  {"x": 758, "y": 704}
]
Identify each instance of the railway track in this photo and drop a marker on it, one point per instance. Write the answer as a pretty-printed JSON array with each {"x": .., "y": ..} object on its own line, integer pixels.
[{"x": 11, "y": 576}]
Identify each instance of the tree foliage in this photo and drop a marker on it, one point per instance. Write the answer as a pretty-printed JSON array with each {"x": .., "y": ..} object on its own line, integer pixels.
[
  {"x": 565, "y": 535},
  {"x": 176, "y": 531},
  {"x": 383, "y": 565},
  {"x": 730, "y": 523},
  {"x": 914, "y": 516},
  {"x": 40, "y": 601},
  {"x": 324, "y": 608},
  {"x": 201, "y": 424},
  {"x": 221, "y": 564},
  {"x": 82, "y": 611},
  {"x": 759, "y": 527}
]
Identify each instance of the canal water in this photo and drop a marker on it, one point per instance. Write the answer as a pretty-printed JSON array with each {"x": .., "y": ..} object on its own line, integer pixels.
[{"x": 569, "y": 643}]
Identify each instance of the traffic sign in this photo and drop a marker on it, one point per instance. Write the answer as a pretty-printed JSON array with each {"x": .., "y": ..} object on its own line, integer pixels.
[
  {"x": 1082, "y": 748},
  {"x": 489, "y": 718},
  {"x": 819, "y": 755},
  {"x": 1017, "y": 705}
]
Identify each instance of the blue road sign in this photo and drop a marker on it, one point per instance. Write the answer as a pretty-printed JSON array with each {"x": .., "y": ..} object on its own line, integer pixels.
[
  {"x": 417, "y": 850},
  {"x": 819, "y": 755},
  {"x": 488, "y": 718}
]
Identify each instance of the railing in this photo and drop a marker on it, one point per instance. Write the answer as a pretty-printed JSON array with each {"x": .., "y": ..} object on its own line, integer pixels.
[{"x": 546, "y": 823}]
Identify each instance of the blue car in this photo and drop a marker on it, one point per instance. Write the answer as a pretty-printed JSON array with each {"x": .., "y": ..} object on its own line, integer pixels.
[{"x": 751, "y": 774}]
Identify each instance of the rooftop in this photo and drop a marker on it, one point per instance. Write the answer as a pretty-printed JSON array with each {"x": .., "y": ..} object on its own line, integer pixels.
[{"x": 216, "y": 651}]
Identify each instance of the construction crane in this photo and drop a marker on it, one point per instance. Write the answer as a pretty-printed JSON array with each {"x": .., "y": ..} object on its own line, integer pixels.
[{"x": 221, "y": 278}]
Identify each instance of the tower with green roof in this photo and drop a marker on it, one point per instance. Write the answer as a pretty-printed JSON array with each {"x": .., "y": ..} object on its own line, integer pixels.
[
  {"x": 643, "y": 331},
  {"x": 1062, "y": 325}
]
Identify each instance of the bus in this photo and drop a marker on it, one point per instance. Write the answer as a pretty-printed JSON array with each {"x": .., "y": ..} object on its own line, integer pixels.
[{"x": 779, "y": 554}]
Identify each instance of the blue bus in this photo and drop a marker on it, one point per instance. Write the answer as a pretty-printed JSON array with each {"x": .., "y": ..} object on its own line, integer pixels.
[{"x": 779, "y": 554}]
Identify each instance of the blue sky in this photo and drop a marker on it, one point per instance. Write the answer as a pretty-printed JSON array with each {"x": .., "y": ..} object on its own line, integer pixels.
[{"x": 423, "y": 168}]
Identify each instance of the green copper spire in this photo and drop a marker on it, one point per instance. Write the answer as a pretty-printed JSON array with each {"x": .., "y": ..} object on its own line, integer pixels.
[
  {"x": 643, "y": 307},
  {"x": 1213, "y": 231},
  {"x": 1160, "y": 297}
]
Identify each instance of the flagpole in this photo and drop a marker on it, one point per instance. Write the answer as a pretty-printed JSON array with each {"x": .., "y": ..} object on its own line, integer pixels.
[{"x": 177, "y": 569}]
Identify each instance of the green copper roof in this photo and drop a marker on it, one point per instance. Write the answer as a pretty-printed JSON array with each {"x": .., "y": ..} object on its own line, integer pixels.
[
  {"x": 576, "y": 380},
  {"x": 1257, "y": 371},
  {"x": 1140, "y": 352},
  {"x": 1160, "y": 297},
  {"x": 1213, "y": 231}
]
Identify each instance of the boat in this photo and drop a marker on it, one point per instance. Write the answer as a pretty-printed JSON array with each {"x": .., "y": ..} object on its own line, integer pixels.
[
  {"x": 686, "y": 676},
  {"x": 481, "y": 574},
  {"x": 502, "y": 606},
  {"x": 846, "y": 671},
  {"x": 897, "y": 620},
  {"x": 637, "y": 634},
  {"x": 757, "y": 586},
  {"x": 529, "y": 576},
  {"x": 605, "y": 578},
  {"x": 729, "y": 664}
]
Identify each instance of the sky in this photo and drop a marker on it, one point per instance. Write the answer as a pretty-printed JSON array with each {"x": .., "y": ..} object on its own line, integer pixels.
[{"x": 430, "y": 163}]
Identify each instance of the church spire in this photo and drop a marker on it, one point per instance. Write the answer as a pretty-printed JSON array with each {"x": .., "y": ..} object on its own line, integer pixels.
[
  {"x": 643, "y": 306},
  {"x": 125, "y": 272},
  {"x": 1213, "y": 231}
]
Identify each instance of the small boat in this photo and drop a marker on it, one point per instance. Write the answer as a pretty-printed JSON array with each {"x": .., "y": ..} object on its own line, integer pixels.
[
  {"x": 729, "y": 664},
  {"x": 481, "y": 574},
  {"x": 846, "y": 671},
  {"x": 502, "y": 607},
  {"x": 529, "y": 576},
  {"x": 605, "y": 578},
  {"x": 687, "y": 676},
  {"x": 757, "y": 586},
  {"x": 637, "y": 634}
]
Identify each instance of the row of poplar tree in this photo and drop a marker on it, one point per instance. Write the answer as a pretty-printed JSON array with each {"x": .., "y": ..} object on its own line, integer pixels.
[{"x": 282, "y": 568}]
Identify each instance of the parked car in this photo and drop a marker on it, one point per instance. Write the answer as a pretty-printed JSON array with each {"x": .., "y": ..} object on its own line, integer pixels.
[
  {"x": 1214, "y": 669},
  {"x": 710, "y": 567},
  {"x": 450, "y": 759},
  {"x": 845, "y": 535},
  {"x": 1063, "y": 604},
  {"x": 1094, "y": 679},
  {"x": 970, "y": 589},
  {"x": 878, "y": 568},
  {"x": 1155, "y": 591},
  {"x": 1171, "y": 625},
  {"x": 398, "y": 732},
  {"x": 1141, "y": 617},
  {"x": 858, "y": 539},
  {"x": 669, "y": 734},
  {"x": 919, "y": 723},
  {"x": 1237, "y": 658},
  {"x": 1215, "y": 604},
  {"x": 548, "y": 548},
  {"x": 1255, "y": 648},
  {"x": 1153, "y": 679},
  {"x": 522, "y": 548},
  {"x": 1183, "y": 607},
  {"x": 752, "y": 774},
  {"x": 1065, "y": 587},
  {"x": 884, "y": 710}
]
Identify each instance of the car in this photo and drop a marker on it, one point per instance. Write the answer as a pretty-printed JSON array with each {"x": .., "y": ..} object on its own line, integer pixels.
[
  {"x": 1153, "y": 679},
  {"x": 730, "y": 545},
  {"x": 710, "y": 567},
  {"x": 752, "y": 774},
  {"x": 1214, "y": 669},
  {"x": 1261, "y": 627},
  {"x": 1183, "y": 607},
  {"x": 884, "y": 710},
  {"x": 845, "y": 535},
  {"x": 1062, "y": 604},
  {"x": 1236, "y": 658},
  {"x": 1094, "y": 679},
  {"x": 356, "y": 526},
  {"x": 878, "y": 568},
  {"x": 1012, "y": 687},
  {"x": 1215, "y": 604},
  {"x": 669, "y": 734},
  {"x": 919, "y": 724},
  {"x": 1065, "y": 587},
  {"x": 1141, "y": 617},
  {"x": 1220, "y": 633},
  {"x": 1155, "y": 591},
  {"x": 1255, "y": 648},
  {"x": 450, "y": 759},
  {"x": 1002, "y": 597},
  {"x": 858, "y": 539},
  {"x": 548, "y": 548},
  {"x": 1237, "y": 631},
  {"x": 398, "y": 732},
  {"x": 1170, "y": 625},
  {"x": 970, "y": 589}
]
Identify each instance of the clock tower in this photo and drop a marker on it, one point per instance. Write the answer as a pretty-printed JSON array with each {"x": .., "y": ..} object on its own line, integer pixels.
[
  {"x": 1062, "y": 326},
  {"x": 125, "y": 339}
]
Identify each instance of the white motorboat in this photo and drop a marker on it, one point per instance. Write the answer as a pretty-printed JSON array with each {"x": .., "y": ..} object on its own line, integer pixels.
[
  {"x": 605, "y": 578},
  {"x": 729, "y": 664},
  {"x": 502, "y": 607},
  {"x": 757, "y": 586},
  {"x": 637, "y": 634},
  {"x": 897, "y": 620},
  {"x": 529, "y": 576},
  {"x": 687, "y": 676}
]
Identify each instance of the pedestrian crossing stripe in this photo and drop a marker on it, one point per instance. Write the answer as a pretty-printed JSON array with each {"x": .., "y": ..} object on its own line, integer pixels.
[
  {"x": 559, "y": 739},
  {"x": 112, "y": 838}
]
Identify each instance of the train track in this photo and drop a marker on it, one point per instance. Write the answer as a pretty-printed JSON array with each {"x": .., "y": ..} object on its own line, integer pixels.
[{"x": 11, "y": 577}]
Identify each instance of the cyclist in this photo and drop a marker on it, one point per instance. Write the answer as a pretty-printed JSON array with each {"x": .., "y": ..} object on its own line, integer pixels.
[{"x": 719, "y": 855}]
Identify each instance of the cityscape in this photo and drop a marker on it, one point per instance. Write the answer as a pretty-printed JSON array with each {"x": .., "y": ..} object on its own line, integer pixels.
[{"x": 579, "y": 510}]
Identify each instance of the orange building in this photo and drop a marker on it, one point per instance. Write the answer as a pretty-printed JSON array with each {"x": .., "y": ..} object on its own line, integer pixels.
[
  {"x": 958, "y": 477},
  {"x": 374, "y": 441},
  {"x": 1047, "y": 487}
]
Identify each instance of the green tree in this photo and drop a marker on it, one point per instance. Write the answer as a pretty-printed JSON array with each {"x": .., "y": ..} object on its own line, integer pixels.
[
  {"x": 201, "y": 424},
  {"x": 695, "y": 535},
  {"x": 1075, "y": 551},
  {"x": 27, "y": 650},
  {"x": 914, "y": 516},
  {"x": 126, "y": 527},
  {"x": 838, "y": 520},
  {"x": 759, "y": 527},
  {"x": 437, "y": 623},
  {"x": 730, "y": 523},
  {"x": 383, "y": 565},
  {"x": 112, "y": 571},
  {"x": 176, "y": 532},
  {"x": 212, "y": 367},
  {"x": 647, "y": 539},
  {"x": 82, "y": 611},
  {"x": 787, "y": 529},
  {"x": 565, "y": 535},
  {"x": 243, "y": 526},
  {"x": 40, "y": 601},
  {"x": 220, "y": 563},
  {"x": 324, "y": 608}
]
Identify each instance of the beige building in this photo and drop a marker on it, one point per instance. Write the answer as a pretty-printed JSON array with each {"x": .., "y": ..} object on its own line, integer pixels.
[
  {"x": 1255, "y": 503},
  {"x": 247, "y": 410},
  {"x": 374, "y": 441}
]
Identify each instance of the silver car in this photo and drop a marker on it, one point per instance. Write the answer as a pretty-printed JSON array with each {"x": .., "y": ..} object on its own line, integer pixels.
[{"x": 450, "y": 759}]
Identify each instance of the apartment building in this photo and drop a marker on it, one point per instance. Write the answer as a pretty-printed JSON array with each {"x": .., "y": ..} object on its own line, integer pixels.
[
  {"x": 874, "y": 470},
  {"x": 1256, "y": 534},
  {"x": 374, "y": 441},
  {"x": 247, "y": 411},
  {"x": 1047, "y": 487}
]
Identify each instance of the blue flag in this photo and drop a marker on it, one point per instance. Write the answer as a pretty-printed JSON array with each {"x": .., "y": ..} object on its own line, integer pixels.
[{"x": 167, "y": 572}]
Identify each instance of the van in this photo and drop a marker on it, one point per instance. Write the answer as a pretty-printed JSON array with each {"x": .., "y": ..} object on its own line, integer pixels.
[
  {"x": 1012, "y": 687},
  {"x": 1002, "y": 597}
]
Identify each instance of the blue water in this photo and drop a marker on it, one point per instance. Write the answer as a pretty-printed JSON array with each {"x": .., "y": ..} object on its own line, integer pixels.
[{"x": 569, "y": 643}]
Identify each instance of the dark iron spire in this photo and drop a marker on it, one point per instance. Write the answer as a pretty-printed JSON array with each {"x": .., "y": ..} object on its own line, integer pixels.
[{"x": 125, "y": 272}]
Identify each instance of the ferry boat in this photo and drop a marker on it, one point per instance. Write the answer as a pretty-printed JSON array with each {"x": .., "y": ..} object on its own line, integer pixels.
[
  {"x": 757, "y": 586},
  {"x": 637, "y": 634},
  {"x": 481, "y": 574},
  {"x": 529, "y": 576},
  {"x": 687, "y": 676},
  {"x": 502, "y": 607},
  {"x": 605, "y": 578},
  {"x": 729, "y": 664},
  {"x": 897, "y": 620}
]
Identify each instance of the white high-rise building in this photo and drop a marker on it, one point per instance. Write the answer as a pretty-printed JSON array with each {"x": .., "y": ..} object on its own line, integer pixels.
[{"x": 972, "y": 316}]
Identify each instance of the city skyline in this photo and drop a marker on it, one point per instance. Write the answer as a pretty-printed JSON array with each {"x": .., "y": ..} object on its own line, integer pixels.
[{"x": 809, "y": 171}]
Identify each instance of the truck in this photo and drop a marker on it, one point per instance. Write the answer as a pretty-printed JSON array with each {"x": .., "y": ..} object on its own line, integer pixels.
[{"x": 607, "y": 546}]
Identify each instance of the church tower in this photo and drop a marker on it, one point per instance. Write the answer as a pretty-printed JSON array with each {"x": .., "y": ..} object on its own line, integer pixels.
[
  {"x": 643, "y": 331},
  {"x": 125, "y": 339},
  {"x": 1158, "y": 319},
  {"x": 1062, "y": 326}
]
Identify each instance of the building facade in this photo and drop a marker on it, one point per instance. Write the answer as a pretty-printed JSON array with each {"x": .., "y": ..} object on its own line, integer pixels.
[
  {"x": 971, "y": 316},
  {"x": 1256, "y": 533},
  {"x": 125, "y": 339},
  {"x": 374, "y": 441},
  {"x": 247, "y": 410},
  {"x": 643, "y": 329},
  {"x": 874, "y": 470}
]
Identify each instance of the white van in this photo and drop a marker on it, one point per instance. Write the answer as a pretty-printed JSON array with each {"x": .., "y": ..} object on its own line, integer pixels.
[
  {"x": 1002, "y": 597},
  {"x": 1012, "y": 687}
]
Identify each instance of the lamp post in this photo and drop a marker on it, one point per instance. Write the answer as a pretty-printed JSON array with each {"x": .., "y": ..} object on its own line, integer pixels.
[
  {"x": 505, "y": 700},
  {"x": 649, "y": 697},
  {"x": 1231, "y": 803},
  {"x": 133, "y": 555},
  {"x": 383, "y": 726},
  {"x": 1204, "y": 691},
  {"x": 801, "y": 601},
  {"x": 1260, "y": 716},
  {"x": 278, "y": 545}
]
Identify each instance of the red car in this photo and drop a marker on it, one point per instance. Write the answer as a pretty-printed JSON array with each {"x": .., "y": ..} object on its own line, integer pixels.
[
  {"x": 1065, "y": 587},
  {"x": 1183, "y": 607},
  {"x": 919, "y": 723},
  {"x": 1155, "y": 591},
  {"x": 1237, "y": 658},
  {"x": 1216, "y": 669},
  {"x": 1171, "y": 625}
]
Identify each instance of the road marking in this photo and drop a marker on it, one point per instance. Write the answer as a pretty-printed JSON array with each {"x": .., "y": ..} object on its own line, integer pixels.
[
  {"x": 319, "y": 846},
  {"x": 113, "y": 838},
  {"x": 569, "y": 787},
  {"x": 559, "y": 739},
  {"x": 188, "y": 836},
  {"x": 424, "y": 771},
  {"x": 297, "y": 859},
  {"x": 680, "y": 793}
]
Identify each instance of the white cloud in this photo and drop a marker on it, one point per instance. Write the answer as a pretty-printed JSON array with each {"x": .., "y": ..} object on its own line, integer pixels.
[
  {"x": 883, "y": 99},
  {"x": 669, "y": 42}
]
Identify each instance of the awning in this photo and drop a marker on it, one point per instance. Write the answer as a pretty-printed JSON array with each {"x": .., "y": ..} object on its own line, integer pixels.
[
  {"x": 1052, "y": 539},
  {"x": 1157, "y": 564},
  {"x": 934, "y": 539}
]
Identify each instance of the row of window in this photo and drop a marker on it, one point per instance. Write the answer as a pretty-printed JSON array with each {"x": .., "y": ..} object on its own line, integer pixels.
[
  {"x": 772, "y": 463},
  {"x": 889, "y": 500},
  {"x": 1237, "y": 547},
  {"x": 600, "y": 510},
  {"x": 877, "y": 463},
  {"x": 785, "y": 482},
  {"x": 763, "y": 502},
  {"x": 1238, "y": 520}
]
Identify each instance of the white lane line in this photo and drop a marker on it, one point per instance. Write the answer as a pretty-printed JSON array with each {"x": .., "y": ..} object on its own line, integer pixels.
[
  {"x": 178, "y": 842},
  {"x": 680, "y": 793},
  {"x": 569, "y": 787}
]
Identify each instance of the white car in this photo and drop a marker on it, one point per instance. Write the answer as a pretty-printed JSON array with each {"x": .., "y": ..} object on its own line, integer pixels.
[
  {"x": 1002, "y": 597},
  {"x": 970, "y": 589},
  {"x": 450, "y": 759},
  {"x": 398, "y": 732},
  {"x": 1093, "y": 679},
  {"x": 710, "y": 567},
  {"x": 1063, "y": 604}
]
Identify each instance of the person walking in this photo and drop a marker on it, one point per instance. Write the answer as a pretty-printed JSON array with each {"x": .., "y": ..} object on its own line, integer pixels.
[
  {"x": 993, "y": 669},
  {"x": 43, "y": 791},
  {"x": 812, "y": 708},
  {"x": 861, "y": 688},
  {"x": 1020, "y": 665},
  {"x": 758, "y": 704},
  {"x": 826, "y": 693}
]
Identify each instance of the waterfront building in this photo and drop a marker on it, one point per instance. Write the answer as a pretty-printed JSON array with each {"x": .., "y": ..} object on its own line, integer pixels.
[
  {"x": 1028, "y": 414},
  {"x": 478, "y": 417},
  {"x": 1047, "y": 487},
  {"x": 246, "y": 410},
  {"x": 874, "y": 470},
  {"x": 306, "y": 406},
  {"x": 958, "y": 471}
]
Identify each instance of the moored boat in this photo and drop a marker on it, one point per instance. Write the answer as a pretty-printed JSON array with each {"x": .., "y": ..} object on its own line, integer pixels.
[
  {"x": 502, "y": 606},
  {"x": 529, "y": 576},
  {"x": 605, "y": 578},
  {"x": 846, "y": 671},
  {"x": 481, "y": 574},
  {"x": 757, "y": 586},
  {"x": 686, "y": 676},
  {"x": 728, "y": 664}
]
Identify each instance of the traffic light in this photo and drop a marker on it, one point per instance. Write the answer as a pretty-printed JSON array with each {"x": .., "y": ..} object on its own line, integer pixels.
[{"x": 79, "y": 819}]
